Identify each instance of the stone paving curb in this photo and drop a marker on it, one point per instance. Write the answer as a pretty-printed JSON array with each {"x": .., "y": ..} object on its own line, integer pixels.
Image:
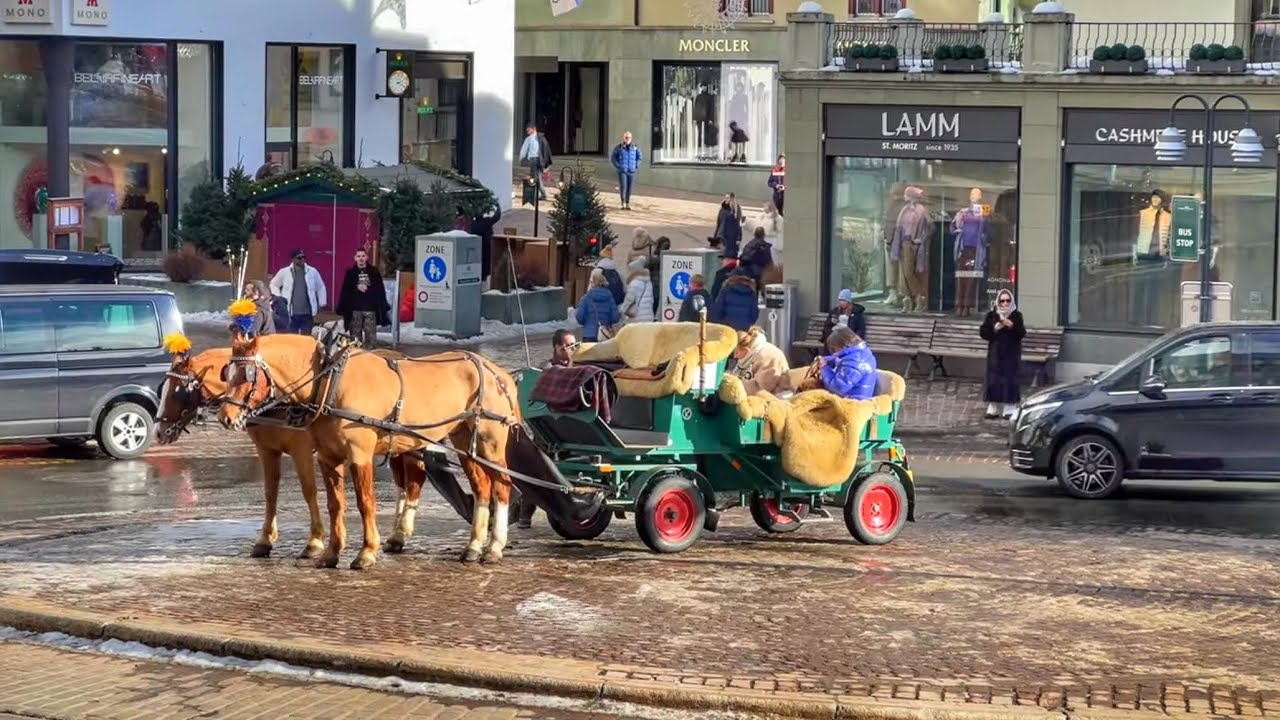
[{"x": 493, "y": 671}]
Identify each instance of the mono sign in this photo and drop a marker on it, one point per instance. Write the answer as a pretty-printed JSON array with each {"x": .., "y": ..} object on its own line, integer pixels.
[
  {"x": 923, "y": 132},
  {"x": 30, "y": 12},
  {"x": 91, "y": 12},
  {"x": 713, "y": 45}
]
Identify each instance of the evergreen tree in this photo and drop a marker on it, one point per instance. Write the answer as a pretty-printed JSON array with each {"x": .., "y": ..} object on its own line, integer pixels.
[
  {"x": 578, "y": 214},
  {"x": 406, "y": 212},
  {"x": 217, "y": 217}
]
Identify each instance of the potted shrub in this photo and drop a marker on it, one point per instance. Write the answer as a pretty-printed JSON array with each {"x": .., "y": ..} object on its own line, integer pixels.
[
  {"x": 871, "y": 58},
  {"x": 1119, "y": 59},
  {"x": 1214, "y": 59},
  {"x": 960, "y": 58}
]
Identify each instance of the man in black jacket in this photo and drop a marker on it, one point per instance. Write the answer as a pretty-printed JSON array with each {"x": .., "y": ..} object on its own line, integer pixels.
[{"x": 362, "y": 303}]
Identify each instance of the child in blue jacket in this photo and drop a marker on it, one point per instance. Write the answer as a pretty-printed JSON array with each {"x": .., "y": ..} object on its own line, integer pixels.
[{"x": 850, "y": 370}]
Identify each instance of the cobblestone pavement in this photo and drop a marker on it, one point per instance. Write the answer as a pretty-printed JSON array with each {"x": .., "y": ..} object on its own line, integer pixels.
[
  {"x": 43, "y": 682},
  {"x": 992, "y": 604}
]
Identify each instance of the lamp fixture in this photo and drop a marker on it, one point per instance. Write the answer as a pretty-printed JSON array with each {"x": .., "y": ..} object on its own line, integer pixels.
[
  {"x": 1171, "y": 145},
  {"x": 1247, "y": 146}
]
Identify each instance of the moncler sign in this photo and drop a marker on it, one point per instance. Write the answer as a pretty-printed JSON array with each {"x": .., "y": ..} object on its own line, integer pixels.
[
  {"x": 90, "y": 12},
  {"x": 28, "y": 12}
]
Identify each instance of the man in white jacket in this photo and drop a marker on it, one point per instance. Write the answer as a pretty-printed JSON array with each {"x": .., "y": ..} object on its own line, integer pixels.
[{"x": 302, "y": 287}]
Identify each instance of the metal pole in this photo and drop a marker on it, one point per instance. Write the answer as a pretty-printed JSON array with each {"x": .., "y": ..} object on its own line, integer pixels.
[
  {"x": 1206, "y": 252},
  {"x": 537, "y": 203}
]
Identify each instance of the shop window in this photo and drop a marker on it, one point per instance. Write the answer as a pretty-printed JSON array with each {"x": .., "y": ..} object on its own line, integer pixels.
[
  {"x": 23, "y": 168},
  {"x": 920, "y": 235},
  {"x": 435, "y": 123},
  {"x": 1119, "y": 271},
  {"x": 310, "y": 106},
  {"x": 195, "y": 126},
  {"x": 715, "y": 113},
  {"x": 120, "y": 147},
  {"x": 569, "y": 108}
]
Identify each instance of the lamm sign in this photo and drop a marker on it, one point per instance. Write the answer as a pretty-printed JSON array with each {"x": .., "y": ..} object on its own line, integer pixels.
[{"x": 922, "y": 132}]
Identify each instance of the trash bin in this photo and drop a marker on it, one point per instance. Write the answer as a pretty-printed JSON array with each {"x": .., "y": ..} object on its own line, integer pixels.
[{"x": 1220, "y": 310}]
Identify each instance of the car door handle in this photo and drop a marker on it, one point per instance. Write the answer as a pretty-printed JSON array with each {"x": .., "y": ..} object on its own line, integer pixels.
[
  {"x": 1263, "y": 397},
  {"x": 1222, "y": 397}
]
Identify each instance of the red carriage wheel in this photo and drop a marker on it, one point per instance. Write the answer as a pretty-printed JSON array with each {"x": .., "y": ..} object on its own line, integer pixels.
[
  {"x": 770, "y": 518},
  {"x": 671, "y": 514},
  {"x": 876, "y": 509}
]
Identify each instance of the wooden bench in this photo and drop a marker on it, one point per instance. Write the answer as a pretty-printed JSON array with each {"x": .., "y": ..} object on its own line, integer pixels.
[
  {"x": 1041, "y": 348},
  {"x": 886, "y": 334},
  {"x": 907, "y": 335},
  {"x": 959, "y": 339}
]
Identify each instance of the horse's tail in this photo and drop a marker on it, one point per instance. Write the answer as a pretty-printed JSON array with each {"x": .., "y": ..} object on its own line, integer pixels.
[{"x": 525, "y": 457}]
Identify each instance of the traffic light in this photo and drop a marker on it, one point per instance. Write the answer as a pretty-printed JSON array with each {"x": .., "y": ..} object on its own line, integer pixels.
[{"x": 593, "y": 246}]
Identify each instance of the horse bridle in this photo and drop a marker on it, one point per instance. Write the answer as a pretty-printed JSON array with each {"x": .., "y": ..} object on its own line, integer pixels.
[
  {"x": 272, "y": 396},
  {"x": 190, "y": 385}
]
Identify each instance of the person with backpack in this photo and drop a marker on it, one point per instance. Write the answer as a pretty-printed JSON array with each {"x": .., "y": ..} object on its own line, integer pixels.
[
  {"x": 626, "y": 161},
  {"x": 608, "y": 265},
  {"x": 757, "y": 256},
  {"x": 638, "y": 304},
  {"x": 695, "y": 300}
]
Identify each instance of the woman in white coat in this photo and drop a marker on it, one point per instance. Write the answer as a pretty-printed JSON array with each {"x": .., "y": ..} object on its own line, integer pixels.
[{"x": 638, "y": 304}]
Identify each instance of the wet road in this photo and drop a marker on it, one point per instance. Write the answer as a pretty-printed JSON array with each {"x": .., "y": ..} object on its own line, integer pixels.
[{"x": 215, "y": 471}]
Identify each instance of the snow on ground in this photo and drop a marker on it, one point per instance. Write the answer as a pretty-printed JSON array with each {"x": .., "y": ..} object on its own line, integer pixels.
[
  {"x": 147, "y": 653},
  {"x": 205, "y": 318}
]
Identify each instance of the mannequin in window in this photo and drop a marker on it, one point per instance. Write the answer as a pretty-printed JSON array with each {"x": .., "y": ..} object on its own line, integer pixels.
[
  {"x": 972, "y": 239},
  {"x": 1151, "y": 256},
  {"x": 893, "y": 206},
  {"x": 910, "y": 248}
]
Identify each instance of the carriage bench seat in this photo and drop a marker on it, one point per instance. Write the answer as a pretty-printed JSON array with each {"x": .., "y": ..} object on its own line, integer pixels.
[{"x": 661, "y": 358}]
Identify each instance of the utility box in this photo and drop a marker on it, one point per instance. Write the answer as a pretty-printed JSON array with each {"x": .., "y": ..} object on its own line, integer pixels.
[
  {"x": 1220, "y": 311},
  {"x": 778, "y": 316},
  {"x": 447, "y": 287},
  {"x": 678, "y": 267}
]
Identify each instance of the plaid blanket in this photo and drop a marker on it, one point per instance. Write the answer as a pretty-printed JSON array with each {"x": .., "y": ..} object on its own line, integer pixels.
[{"x": 580, "y": 387}]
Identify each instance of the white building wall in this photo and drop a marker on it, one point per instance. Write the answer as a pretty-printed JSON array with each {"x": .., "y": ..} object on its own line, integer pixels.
[{"x": 483, "y": 27}]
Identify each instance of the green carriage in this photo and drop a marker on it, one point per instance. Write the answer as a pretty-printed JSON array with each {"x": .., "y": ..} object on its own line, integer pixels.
[{"x": 683, "y": 442}]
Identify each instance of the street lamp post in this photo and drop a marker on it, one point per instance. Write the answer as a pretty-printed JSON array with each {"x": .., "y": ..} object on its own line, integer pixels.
[{"x": 1246, "y": 147}]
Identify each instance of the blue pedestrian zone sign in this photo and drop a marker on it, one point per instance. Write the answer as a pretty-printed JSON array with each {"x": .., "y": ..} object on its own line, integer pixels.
[
  {"x": 435, "y": 270},
  {"x": 680, "y": 285}
]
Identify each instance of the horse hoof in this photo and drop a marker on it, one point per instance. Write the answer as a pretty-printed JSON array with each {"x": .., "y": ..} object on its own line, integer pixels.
[
  {"x": 364, "y": 560},
  {"x": 395, "y": 546},
  {"x": 260, "y": 550},
  {"x": 311, "y": 551},
  {"x": 491, "y": 556},
  {"x": 470, "y": 556},
  {"x": 327, "y": 562}
]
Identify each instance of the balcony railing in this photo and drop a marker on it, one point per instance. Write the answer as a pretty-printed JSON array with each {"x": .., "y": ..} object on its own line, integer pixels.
[
  {"x": 1168, "y": 45},
  {"x": 746, "y": 8},
  {"x": 916, "y": 42}
]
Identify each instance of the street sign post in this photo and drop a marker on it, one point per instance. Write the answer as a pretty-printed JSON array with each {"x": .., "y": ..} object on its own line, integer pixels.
[{"x": 1186, "y": 229}]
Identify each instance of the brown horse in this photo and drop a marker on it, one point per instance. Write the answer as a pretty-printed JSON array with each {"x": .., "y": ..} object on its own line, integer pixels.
[{"x": 455, "y": 396}]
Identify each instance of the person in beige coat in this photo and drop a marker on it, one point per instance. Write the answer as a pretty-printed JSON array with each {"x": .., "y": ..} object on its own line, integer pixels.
[
  {"x": 761, "y": 365},
  {"x": 642, "y": 245}
]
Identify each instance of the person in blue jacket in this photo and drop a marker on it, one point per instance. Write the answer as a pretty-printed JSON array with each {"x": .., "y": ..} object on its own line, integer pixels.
[
  {"x": 626, "y": 161},
  {"x": 597, "y": 310},
  {"x": 850, "y": 369},
  {"x": 735, "y": 305}
]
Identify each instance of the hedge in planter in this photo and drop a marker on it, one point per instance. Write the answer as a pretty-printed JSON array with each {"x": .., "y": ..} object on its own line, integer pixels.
[
  {"x": 1214, "y": 59},
  {"x": 1119, "y": 59},
  {"x": 871, "y": 58},
  {"x": 960, "y": 58}
]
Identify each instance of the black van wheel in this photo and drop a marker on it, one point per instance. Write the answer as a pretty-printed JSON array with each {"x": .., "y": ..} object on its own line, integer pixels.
[
  {"x": 125, "y": 431},
  {"x": 1089, "y": 467}
]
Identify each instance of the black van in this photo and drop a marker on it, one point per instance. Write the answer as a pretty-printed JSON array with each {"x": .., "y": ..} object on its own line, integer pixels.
[
  {"x": 58, "y": 267},
  {"x": 83, "y": 362},
  {"x": 1202, "y": 403}
]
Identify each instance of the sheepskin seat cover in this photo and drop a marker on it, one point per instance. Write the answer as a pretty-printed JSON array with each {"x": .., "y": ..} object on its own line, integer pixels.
[
  {"x": 641, "y": 346},
  {"x": 808, "y": 425}
]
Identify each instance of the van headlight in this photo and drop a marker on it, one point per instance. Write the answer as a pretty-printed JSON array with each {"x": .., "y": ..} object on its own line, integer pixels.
[{"x": 1028, "y": 414}]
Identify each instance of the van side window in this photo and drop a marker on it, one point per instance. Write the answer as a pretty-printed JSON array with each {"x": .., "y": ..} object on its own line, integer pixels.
[
  {"x": 107, "y": 325},
  {"x": 1198, "y": 364},
  {"x": 25, "y": 328}
]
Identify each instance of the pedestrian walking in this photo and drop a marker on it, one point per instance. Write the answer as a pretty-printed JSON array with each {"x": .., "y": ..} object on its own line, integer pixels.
[
  {"x": 757, "y": 255},
  {"x": 771, "y": 220},
  {"x": 736, "y": 305},
  {"x": 303, "y": 289},
  {"x": 778, "y": 182},
  {"x": 608, "y": 265},
  {"x": 727, "y": 267},
  {"x": 1003, "y": 330},
  {"x": 637, "y": 306},
  {"x": 729, "y": 225},
  {"x": 597, "y": 313},
  {"x": 535, "y": 154},
  {"x": 626, "y": 161},
  {"x": 362, "y": 301},
  {"x": 642, "y": 245},
  {"x": 695, "y": 300}
]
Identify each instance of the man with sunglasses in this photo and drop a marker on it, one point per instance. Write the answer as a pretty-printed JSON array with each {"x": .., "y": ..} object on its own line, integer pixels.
[{"x": 563, "y": 345}]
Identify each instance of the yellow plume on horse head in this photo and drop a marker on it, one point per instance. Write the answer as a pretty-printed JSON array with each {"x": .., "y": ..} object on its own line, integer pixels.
[
  {"x": 177, "y": 344},
  {"x": 242, "y": 313}
]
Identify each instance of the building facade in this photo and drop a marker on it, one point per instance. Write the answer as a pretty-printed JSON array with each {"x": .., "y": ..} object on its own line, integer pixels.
[
  {"x": 928, "y": 192},
  {"x": 131, "y": 103},
  {"x": 652, "y": 67}
]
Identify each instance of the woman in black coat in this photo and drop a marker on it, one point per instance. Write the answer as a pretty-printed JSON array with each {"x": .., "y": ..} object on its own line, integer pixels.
[{"x": 1003, "y": 330}]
